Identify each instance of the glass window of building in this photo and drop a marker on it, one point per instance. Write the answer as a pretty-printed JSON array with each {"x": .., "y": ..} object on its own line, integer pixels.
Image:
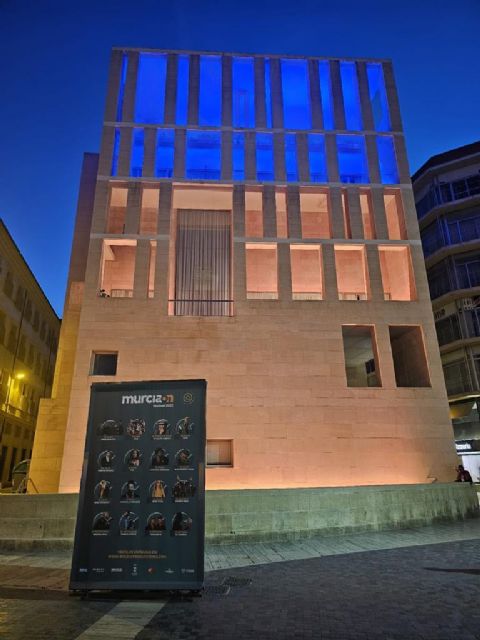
[
  {"x": 326, "y": 93},
  {"x": 352, "y": 159},
  {"x": 306, "y": 268},
  {"x": 378, "y": 96},
  {"x": 243, "y": 94},
  {"x": 397, "y": 273},
  {"x": 150, "y": 97},
  {"x": 351, "y": 96},
  {"x": 203, "y": 158},
  {"x": 121, "y": 89},
  {"x": 361, "y": 359},
  {"x": 164, "y": 153},
  {"x": 315, "y": 214},
  {"x": 291, "y": 166},
  {"x": 387, "y": 160},
  {"x": 264, "y": 157},
  {"x": 136, "y": 165},
  {"x": 296, "y": 94},
  {"x": 115, "y": 151},
  {"x": 210, "y": 93},
  {"x": 409, "y": 357},
  {"x": 104, "y": 364},
  {"x": 261, "y": 267},
  {"x": 181, "y": 104},
  {"x": 352, "y": 274},
  {"x": 268, "y": 94},
  {"x": 316, "y": 158},
  {"x": 238, "y": 156},
  {"x": 117, "y": 268},
  {"x": 219, "y": 453}
]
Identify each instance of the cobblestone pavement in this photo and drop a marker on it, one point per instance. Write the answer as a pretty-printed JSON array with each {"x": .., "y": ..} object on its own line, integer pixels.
[{"x": 399, "y": 585}]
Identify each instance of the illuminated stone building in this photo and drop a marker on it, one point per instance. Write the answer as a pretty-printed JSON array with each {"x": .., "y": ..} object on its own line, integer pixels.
[
  {"x": 251, "y": 221},
  {"x": 447, "y": 193},
  {"x": 29, "y": 330}
]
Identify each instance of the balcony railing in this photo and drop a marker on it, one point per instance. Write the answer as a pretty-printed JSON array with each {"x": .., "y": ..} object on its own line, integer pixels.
[
  {"x": 448, "y": 192},
  {"x": 348, "y": 295},
  {"x": 121, "y": 293}
]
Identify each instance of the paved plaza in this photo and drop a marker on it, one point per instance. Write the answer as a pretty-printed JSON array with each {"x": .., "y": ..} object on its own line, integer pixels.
[{"x": 399, "y": 585}]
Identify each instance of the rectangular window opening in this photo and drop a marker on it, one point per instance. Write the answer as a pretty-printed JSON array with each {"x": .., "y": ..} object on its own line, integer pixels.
[
  {"x": 367, "y": 215},
  {"x": 387, "y": 160},
  {"x": 117, "y": 210},
  {"x": 394, "y": 214},
  {"x": 352, "y": 275},
  {"x": 204, "y": 157},
  {"x": 378, "y": 96},
  {"x": 219, "y": 453},
  {"x": 317, "y": 159},
  {"x": 397, "y": 273},
  {"x": 291, "y": 165},
  {"x": 253, "y": 213},
  {"x": 264, "y": 157},
  {"x": 164, "y": 153},
  {"x": 149, "y": 211},
  {"x": 243, "y": 93},
  {"x": 150, "y": 97},
  {"x": 117, "y": 269},
  {"x": 352, "y": 159},
  {"x": 326, "y": 93},
  {"x": 210, "y": 93},
  {"x": 306, "y": 268},
  {"x": 361, "y": 359},
  {"x": 315, "y": 214},
  {"x": 261, "y": 267},
  {"x": 104, "y": 364},
  {"x": 136, "y": 164},
  {"x": 351, "y": 97},
  {"x": 409, "y": 356},
  {"x": 281, "y": 213},
  {"x": 296, "y": 94},
  {"x": 203, "y": 269}
]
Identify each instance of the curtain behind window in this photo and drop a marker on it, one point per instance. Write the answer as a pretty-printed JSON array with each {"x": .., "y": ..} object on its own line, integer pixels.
[{"x": 203, "y": 263}]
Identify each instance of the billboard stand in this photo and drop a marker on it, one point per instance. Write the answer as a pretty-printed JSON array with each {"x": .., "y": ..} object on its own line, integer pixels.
[{"x": 141, "y": 512}]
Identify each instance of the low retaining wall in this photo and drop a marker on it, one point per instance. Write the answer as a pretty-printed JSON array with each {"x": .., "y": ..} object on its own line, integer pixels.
[{"x": 48, "y": 521}]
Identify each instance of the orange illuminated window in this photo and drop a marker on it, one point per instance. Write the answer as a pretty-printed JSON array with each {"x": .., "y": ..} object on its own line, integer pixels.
[
  {"x": 306, "y": 268},
  {"x": 117, "y": 210},
  {"x": 351, "y": 268},
  {"x": 253, "y": 213},
  {"x": 149, "y": 211},
  {"x": 219, "y": 453},
  {"x": 395, "y": 215},
  {"x": 261, "y": 265},
  {"x": 397, "y": 273},
  {"x": 281, "y": 213},
  {"x": 117, "y": 269},
  {"x": 367, "y": 215},
  {"x": 315, "y": 214}
]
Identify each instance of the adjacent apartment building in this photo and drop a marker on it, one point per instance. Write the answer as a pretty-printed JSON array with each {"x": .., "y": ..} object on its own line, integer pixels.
[
  {"x": 250, "y": 220},
  {"x": 447, "y": 195},
  {"x": 29, "y": 330}
]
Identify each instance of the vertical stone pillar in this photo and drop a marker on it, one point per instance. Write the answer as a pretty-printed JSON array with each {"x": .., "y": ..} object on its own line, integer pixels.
[
  {"x": 180, "y": 152},
  {"x": 336, "y": 212},
  {"x": 164, "y": 208},
  {"x": 392, "y": 97},
  {"x": 279, "y": 157},
  {"x": 293, "y": 212},
  {"x": 330, "y": 293},
  {"x": 302, "y": 157},
  {"x": 193, "y": 89},
  {"x": 171, "y": 88},
  {"x": 409, "y": 213},
  {"x": 269, "y": 212},
  {"x": 115, "y": 72},
  {"x": 226, "y": 155},
  {"x": 402, "y": 159},
  {"x": 277, "y": 98},
  {"x": 227, "y": 91},
  {"x": 238, "y": 204},
  {"x": 315, "y": 97},
  {"x": 150, "y": 142},
  {"x": 337, "y": 94},
  {"x": 259, "y": 77},
  {"x": 250, "y": 156},
  {"x": 142, "y": 263},
  {"x": 356, "y": 222},
  {"x": 367, "y": 115},
  {"x": 372, "y": 158},
  {"x": 134, "y": 203},
  {"x": 379, "y": 215},
  {"x": 102, "y": 202},
  {"x": 106, "y": 151},
  {"x": 125, "y": 153},
  {"x": 284, "y": 272},
  {"x": 375, "y": 286},
  {"x": 128, "y": 114}
]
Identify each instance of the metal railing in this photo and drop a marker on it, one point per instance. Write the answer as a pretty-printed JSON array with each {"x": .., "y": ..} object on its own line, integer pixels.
[{"x": 448, "y": 192}]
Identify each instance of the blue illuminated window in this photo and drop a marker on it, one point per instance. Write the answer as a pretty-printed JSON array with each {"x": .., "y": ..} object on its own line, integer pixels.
[
  {"x": 268, "y": 94},
  {"x": 121, "y": 90},
  {"x": 204, "y": 157},
  {"x": 352, "y": 159},
  {"x": 291, "y": 167},
  {"x": 296, "y": 95},
  {"x": 210, "y": 97},
  {"x": 116, "y": 151},
  {"x": 150, "y": 98},
  {"x": 181, "y": 107},
  {"x": 316, "y": 158},
  {"x": 378, "y": 97},
  {"x": 387, "y": 160},
  {"x": 238, "y": 156},
  {"x": 164, "y": 153},
  {"x": 326, "y": 92},
  {"x": 243, "y": 95},
  {"x": 264, "y": 157},
  {"x": 351, "y": 97},
  {"x": 136, "y": 164}
]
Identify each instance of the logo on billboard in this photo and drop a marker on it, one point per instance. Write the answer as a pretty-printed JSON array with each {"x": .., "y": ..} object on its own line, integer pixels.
[
  {"x": 157, "y": 400},
  {"x": 188, "y": 398}
]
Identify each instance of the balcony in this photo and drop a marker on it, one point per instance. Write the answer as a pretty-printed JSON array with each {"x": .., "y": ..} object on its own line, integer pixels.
[{"x": 448, "y": 192}]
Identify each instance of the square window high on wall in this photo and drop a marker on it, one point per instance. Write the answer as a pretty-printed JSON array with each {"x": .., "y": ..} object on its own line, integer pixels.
[
  {"x": 306, "y": 268},
  {"x": 203, "y": 157},
  {"x": 352, "y": 274},
  {"x": 352, "y": 159},
  {"x": 409, "y": 357},
  {"x": 397, "y": 273}
]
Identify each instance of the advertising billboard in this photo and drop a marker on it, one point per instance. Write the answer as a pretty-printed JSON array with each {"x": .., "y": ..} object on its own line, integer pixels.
[{"x": 141, "y": 513}]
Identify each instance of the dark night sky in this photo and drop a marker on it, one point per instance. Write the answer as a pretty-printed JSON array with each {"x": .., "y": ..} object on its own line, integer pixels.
[{"x": 54, "y": 58}]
